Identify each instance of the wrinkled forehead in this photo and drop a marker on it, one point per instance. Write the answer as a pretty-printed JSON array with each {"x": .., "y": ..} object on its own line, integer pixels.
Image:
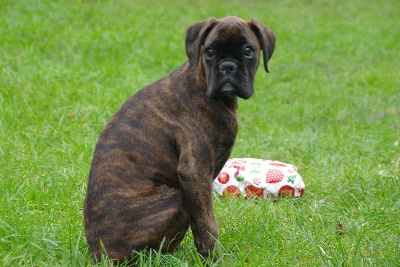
[{"x": 231, "y": 32}]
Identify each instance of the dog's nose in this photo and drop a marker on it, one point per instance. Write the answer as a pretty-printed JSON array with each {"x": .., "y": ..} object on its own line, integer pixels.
[{"x": 228, "y": 67}]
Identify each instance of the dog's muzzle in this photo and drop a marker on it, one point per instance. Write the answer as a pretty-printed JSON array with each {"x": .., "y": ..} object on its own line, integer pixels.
[
  {"x": 228, "y": 79},
  {"x": 228, "y": 71}
]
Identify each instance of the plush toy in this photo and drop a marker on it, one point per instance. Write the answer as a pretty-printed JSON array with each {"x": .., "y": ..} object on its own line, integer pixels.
[{"x": 266, "y": 179}]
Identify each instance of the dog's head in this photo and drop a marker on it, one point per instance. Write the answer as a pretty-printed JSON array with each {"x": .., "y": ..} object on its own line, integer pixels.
[{"x": 227, "y": 53}]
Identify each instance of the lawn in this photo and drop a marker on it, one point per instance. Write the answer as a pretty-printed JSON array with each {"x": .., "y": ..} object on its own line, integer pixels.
[{"x": 330, "y": 105}]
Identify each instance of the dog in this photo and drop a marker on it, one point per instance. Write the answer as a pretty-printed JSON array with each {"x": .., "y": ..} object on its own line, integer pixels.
[{"x": 155, "y": 161}]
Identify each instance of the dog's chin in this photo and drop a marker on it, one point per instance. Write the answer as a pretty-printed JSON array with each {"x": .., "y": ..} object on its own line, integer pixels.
[
  {"x": 225, "y": 90},
  {"x": 229, "y": 90}
]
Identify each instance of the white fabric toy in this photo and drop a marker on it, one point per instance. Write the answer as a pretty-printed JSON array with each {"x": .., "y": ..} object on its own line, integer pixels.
[{"x": 266, "y": 179}]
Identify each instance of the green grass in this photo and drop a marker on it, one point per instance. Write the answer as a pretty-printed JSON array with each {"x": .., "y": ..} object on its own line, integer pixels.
[{"x": 330, "y": 106}]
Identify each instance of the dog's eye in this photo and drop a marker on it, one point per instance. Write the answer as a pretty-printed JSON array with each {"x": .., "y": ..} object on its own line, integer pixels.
[
  {"x": 209, "y": 52},
  {"x": 248, "y": 51}
]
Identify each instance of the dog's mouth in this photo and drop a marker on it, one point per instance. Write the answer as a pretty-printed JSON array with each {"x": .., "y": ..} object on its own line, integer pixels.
[
  {"x": 228, "y": 89},
  {"x": 229, "y": 86},
  {"x": 223, "y": 89}
]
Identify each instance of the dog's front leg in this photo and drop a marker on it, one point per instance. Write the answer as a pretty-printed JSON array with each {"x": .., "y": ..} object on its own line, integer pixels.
[{"x": 196, "y": 181}]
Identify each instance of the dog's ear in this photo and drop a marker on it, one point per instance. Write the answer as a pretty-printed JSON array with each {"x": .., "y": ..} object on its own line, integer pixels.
[
  {"x": 195, "y": 37},
  {"x": 266, "y": 38}
]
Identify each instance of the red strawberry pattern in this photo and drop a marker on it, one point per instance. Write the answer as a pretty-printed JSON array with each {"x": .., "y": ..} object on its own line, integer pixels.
[
  {"x": 231, "y": 192},
  {"x": 286, "y": 191},
  {"x": 239, "y": 161},
  {"x": 276, "y": 164},
  {"x": 251, "y": 191},
  {"x": 238, "y": 167},
  {"x": 223, "y": 177},
  {"x": 300, "y": 191},
  {"x": 274, "y": 176}
]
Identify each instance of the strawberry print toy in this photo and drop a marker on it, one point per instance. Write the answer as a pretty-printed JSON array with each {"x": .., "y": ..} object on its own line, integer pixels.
[{"x": 266, "y": 179}]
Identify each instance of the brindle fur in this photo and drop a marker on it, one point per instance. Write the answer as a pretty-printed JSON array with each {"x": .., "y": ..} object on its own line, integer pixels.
[{"x": 154, "y": 163}]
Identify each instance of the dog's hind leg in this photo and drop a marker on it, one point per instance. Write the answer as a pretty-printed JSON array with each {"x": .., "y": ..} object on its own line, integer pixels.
[{"x": 130, "y": 226}]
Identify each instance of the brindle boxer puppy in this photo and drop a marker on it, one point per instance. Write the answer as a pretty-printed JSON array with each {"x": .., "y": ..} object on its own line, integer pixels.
[{"x": 154, "y": 162}]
